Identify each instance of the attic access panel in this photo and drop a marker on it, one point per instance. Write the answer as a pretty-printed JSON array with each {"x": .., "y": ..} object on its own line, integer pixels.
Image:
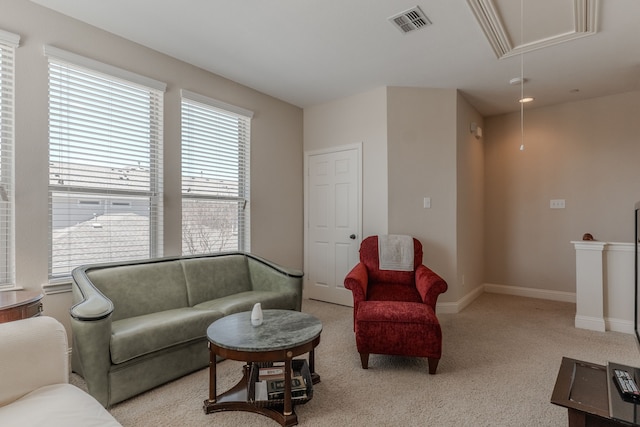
[{"x": 544, "y": 23}]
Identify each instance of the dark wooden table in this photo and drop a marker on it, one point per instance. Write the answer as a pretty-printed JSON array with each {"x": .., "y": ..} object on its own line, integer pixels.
[
  {"x": 16, "y": 305},
  {"x": 283, "y": 335},
  {"x": 582, "y": 388}
]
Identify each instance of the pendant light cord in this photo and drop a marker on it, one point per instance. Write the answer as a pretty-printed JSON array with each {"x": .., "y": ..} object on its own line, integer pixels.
[{"x": 521, "y": 75}]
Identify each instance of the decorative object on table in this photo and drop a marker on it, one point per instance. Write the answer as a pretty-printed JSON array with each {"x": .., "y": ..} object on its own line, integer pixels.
[
  {"x": 587, "y": 237},
  {"x": 256, "y": 314},
  {"x": 262, "y": 390},
  {"x": 275, "y": 388},
  {"x": 271, "y": 373}
]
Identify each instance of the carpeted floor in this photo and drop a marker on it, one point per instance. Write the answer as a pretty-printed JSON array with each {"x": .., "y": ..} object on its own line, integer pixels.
[{"x": 500, "y": 360}]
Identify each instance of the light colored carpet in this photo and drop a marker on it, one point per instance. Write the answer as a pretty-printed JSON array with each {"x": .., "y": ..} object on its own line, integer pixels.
[{"x": 500, "y": 360}]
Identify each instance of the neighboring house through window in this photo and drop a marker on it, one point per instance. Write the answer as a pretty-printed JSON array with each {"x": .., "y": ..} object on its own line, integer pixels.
[
  {"x": 215, "y": 175},
  {"x": 105, "y": 163},
  {"x": 8, "y": 44}
]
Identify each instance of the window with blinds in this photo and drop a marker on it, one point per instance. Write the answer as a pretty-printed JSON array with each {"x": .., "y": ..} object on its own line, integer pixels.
[
  {"x": 8, "y": 44},
  {"x": 215, "y": 175},
  {"x": 105, "y": 163}
]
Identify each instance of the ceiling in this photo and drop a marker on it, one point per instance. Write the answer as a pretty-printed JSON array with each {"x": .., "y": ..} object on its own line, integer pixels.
[{"x": 308, "y": 52}]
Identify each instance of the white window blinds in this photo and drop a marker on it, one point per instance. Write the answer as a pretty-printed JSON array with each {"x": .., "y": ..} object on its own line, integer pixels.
[
  {"x": 105, "y": 163},
  {"x": 8, "y": 44},
  {"x": 215, "y": 175}
]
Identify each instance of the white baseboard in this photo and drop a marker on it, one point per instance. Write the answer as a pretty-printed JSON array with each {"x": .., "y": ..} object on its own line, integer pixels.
[
  {"x": 530, "y": 292},
  {"x": 594, "y": 324},
  {"x": 590, "y": 323},
  {"x": 458, "y": 306},
  {"x": 619, "y": 325},
  {"x": 602, "y": 325}
]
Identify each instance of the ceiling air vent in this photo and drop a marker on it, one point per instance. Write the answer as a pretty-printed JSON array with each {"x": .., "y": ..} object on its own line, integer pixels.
[{"x": 410, "y": 20}]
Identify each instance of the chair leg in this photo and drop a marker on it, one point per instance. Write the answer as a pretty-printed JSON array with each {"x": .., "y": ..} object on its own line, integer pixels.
[
  {"x": 433, "y": 365},
  {"x": 364, "y": 359}
]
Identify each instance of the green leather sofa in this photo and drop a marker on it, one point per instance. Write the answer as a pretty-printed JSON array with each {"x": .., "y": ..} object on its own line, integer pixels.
[{"x": 136, "y": 325}]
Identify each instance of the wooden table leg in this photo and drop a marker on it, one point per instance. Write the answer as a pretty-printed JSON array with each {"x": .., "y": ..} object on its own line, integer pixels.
[
  {"x": 315, "y": 378},
  {"x": 312, "y": 361},
  {"x": 212, "y": 375},
  {"x": 577, "y": 418},
  {"x": 210, "y": 403},
  {"x": 287, "y": 386}
]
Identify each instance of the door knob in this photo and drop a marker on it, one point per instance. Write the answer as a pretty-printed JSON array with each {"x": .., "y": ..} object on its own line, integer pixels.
[{"x": 352, "y": 237}]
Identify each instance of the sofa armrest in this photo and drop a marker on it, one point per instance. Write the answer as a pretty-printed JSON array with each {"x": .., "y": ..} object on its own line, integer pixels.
[
  {"x": 34, "y": 353},
  {"x": 429, "y": 285},
  {"x": 91, "y": 319},
  {"x": 269, "y": 276},
  {"x": 90, "y": 303}
]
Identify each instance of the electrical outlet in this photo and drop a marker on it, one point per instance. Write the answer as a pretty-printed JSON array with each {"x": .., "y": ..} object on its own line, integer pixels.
[
  {"x": 556, "y": 204},
  {"x": 427, "y": 202}
]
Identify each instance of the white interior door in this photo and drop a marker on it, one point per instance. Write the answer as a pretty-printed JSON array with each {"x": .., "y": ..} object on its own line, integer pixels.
[{"x": 332, "y": 212}]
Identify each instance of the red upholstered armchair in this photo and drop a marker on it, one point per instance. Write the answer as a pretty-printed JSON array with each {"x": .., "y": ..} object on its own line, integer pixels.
[{"x": 394, "y": 311}]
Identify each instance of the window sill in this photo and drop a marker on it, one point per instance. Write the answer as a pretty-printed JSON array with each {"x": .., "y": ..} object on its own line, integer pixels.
[{"x": 57, "y": 287}]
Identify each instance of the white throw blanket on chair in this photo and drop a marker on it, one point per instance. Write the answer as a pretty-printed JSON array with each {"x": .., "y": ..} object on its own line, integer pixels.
[{"x": 395, "y": 252}]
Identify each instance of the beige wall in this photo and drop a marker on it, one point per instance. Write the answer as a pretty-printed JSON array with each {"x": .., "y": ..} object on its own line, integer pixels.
[
  {"x": 422, "y": 163},
  {"x": 585, "y": 152},
  {"x": 357, "y": 119},
  {"x": 276, "y": 150},
  {"x": 470, "y": 202}
]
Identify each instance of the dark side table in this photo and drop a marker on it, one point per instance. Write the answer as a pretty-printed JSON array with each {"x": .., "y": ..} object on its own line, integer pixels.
[
  {"x": 583, "y": 388},
  {"x": 16, "y": 305}
]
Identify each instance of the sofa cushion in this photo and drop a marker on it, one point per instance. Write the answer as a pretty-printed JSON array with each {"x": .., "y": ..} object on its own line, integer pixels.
[
  {"x": 244, "y": 301},
  {"x": 59, "y": 405},
  {"x": 137, "y": 336},
  {"x": 141, "y": 289},
  {"x": 210, "y": 278}
]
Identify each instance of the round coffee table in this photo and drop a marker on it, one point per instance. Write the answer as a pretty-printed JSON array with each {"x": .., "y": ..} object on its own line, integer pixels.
[{"x": 283, "y": 335}]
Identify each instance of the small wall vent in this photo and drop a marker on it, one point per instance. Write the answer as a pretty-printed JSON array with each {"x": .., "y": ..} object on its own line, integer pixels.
[{"x": 410, "y": 20}]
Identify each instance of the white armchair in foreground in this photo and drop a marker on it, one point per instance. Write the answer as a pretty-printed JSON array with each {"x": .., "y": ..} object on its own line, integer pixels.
[{"x": 34, "y": 385}]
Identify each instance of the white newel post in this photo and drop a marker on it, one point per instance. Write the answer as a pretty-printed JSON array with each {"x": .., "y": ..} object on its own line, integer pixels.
[
  {"x": 589, "y": 285},
  {"x": 604, "y": 286}
]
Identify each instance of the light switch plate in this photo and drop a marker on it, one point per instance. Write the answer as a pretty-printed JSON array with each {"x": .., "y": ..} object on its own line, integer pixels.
[
  {"x": 556, "y": 204},
  {"x": 427, "y": 202}
]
